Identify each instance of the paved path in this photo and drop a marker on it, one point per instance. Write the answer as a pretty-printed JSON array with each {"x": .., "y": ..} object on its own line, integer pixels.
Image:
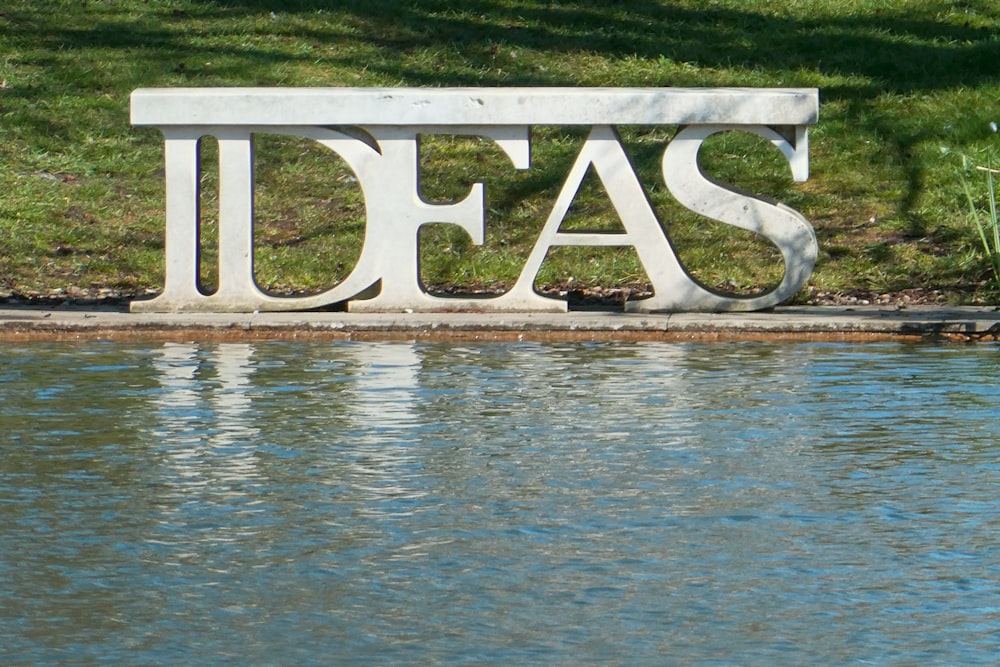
[{"x": 794, "y": 322}]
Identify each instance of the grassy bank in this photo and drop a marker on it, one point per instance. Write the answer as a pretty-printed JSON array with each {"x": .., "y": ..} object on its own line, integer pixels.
[{"x": 908, "y": 91}]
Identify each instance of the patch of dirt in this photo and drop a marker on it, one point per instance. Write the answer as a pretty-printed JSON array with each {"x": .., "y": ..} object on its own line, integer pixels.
[{"x": 579, "y": 297}]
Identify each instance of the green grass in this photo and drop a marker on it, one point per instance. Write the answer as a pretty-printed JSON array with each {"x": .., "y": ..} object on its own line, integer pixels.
[
  {"x": 907, "y": 88},
  {"x": 981, "y": 178}
]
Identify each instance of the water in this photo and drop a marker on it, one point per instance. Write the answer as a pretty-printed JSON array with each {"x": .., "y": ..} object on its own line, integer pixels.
[{"x": 425, "y": 504}]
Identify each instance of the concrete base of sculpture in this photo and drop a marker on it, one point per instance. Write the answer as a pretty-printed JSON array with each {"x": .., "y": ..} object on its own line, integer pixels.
[{"x": 376, "y": 131}]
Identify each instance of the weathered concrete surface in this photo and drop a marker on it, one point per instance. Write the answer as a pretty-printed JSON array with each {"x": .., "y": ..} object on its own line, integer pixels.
[
  {"x": 365, "y": 107},
  {"x": 793, "y": 323}
]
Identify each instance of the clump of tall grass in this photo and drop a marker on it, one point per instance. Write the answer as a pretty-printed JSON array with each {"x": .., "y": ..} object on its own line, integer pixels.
[{"x": 987, "y": 222}]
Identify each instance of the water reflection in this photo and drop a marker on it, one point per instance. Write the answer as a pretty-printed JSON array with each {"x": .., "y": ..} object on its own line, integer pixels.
[
  {"x": 386, "y": 389},
  {"x": 381, "y": 402},
  {"x": 204, "y": 415},
  {"x": 406, "y": 504}
]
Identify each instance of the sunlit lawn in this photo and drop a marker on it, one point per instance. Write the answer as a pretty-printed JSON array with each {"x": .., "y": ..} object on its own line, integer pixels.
[{"x": 907, "y": 89}]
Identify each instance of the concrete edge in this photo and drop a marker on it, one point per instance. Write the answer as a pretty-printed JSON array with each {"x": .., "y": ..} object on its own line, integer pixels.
[{"x": 864, "y": 323}]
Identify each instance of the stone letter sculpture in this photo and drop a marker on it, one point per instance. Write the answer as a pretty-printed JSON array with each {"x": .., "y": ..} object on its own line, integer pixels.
[{"x": 375, "y": 131}]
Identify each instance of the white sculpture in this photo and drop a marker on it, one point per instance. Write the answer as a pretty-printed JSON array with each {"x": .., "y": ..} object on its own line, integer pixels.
[{"x": 375, "y": 132}]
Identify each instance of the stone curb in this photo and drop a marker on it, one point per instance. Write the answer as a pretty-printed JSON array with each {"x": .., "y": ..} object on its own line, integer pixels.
[{"x": 790, "y": 322}]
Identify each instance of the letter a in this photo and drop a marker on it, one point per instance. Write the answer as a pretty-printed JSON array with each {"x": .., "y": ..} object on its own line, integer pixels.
[{"x": 603, "y": 150}]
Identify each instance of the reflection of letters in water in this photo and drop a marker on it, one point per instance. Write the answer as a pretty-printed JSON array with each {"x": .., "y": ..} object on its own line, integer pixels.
[
  {"x": 204, "y": 412},
  {"x": 384, "y": 392},
  {"x": 380, "y": 402},
  {"x": 376, "y": 132}
]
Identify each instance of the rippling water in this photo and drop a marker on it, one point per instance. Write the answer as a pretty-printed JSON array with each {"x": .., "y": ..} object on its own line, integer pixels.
[{"x": 425, "y": 504}]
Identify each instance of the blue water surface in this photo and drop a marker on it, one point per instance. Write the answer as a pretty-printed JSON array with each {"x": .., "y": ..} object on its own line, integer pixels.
[{"x": 280, "y": 503}]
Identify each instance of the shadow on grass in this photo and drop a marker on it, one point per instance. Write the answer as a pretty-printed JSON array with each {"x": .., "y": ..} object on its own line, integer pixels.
[
  {"x": 867, "y": 54},
  {"x": 892, "y": 53},
  {"x": 883, "y": 53}
]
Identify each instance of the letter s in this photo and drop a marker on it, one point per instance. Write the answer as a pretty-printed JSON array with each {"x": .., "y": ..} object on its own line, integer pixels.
[{"x": 783, "y": 226}]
